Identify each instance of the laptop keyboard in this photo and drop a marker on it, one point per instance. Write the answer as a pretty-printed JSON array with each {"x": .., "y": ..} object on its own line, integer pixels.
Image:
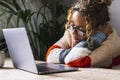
[{"x": 43, "y": 67}]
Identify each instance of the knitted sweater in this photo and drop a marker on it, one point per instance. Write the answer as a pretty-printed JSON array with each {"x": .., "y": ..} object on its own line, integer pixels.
[{"x": 106, "y": 55}]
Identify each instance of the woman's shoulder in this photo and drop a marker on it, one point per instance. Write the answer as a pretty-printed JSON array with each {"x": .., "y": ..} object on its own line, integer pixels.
[
  {"x": 112, "y": 43},
  {"x": 109, "y": 49},
  {"x": 111, "y": 32},
  {"x": 107, "y": 29},
  {"x": 114, "y": 36}
]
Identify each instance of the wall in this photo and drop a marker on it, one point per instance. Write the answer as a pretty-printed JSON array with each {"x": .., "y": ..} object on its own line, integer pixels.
[
  {"x": 114, "y": 12},
  {"x": 33, "y": 5},
  {"x": 115, "y": 15}
]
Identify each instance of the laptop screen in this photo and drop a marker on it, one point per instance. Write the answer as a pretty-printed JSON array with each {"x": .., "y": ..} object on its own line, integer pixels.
[{"x": 19, "y": 49}]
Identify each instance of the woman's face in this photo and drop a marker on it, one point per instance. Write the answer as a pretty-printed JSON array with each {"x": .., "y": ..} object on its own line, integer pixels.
[{"x": 77, "y": 28}]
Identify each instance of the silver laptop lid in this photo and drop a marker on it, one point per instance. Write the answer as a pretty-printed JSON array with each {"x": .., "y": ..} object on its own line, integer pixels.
[{"x": 19, "y": 49}]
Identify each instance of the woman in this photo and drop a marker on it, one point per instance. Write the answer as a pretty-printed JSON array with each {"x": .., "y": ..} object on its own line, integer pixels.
[{"x": 89, "y": 40}]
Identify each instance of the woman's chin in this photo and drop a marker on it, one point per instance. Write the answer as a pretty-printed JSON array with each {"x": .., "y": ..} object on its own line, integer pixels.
[{"x": 76, "y": 40}]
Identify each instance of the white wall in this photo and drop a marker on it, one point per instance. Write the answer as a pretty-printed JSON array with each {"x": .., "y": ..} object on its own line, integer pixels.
[{"x": 115, "y": 15}]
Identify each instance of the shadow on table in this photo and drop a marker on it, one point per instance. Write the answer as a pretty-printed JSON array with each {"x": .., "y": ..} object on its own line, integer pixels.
[{"x": 7, "y": 68}]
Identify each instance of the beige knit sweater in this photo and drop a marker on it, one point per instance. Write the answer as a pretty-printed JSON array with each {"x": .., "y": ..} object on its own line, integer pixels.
[{"x": 102, "y": 56}]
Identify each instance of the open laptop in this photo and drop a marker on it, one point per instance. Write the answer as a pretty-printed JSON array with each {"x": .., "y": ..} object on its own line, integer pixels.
[{"x": 20, "y": 51}]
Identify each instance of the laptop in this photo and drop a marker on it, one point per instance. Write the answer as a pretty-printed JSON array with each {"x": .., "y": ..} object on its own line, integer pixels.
[{"x": 22, "y": 57}]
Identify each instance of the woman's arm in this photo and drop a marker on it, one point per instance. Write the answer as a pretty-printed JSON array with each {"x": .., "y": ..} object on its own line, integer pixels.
[
  {"x": 57, "y": 52},
  {"x": 79, "y": 54},
  {"x": 104, "y": 56}
]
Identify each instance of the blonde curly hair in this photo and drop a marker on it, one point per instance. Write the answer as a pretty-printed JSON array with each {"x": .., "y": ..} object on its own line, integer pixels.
[{"x": 95, "y": 12}]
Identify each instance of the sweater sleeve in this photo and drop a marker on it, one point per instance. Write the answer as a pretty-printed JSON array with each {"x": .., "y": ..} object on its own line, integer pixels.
[
  {"x": 79, "y": 54},
  {"x": 81, "y": 62},
  {"x": 50, "y": 49},
  {"x": 56, "y": 54},
  {"x": 53, "y": 53},
  {"x": 107, "y": 55}
]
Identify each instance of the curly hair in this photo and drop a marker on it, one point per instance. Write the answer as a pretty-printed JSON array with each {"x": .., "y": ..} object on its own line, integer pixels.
[{"x": 95, "y": 13}]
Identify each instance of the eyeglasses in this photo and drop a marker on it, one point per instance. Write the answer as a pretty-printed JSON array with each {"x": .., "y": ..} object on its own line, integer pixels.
[{"x": 79, "y": 30}]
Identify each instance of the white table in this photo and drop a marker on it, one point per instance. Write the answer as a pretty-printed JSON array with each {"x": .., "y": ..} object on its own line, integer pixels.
[{"x": 8, "y": 72}]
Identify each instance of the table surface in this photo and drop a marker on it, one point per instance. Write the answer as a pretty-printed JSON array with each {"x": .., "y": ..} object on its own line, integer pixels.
[{"x": 8, "y": 72}]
